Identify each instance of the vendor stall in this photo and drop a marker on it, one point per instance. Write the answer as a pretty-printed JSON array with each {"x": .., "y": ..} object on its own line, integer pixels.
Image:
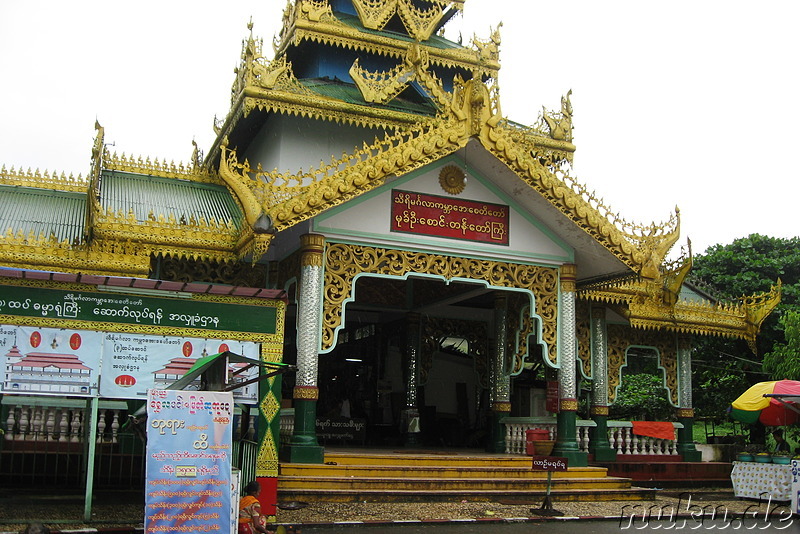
[{"x": 764, "y": 481}]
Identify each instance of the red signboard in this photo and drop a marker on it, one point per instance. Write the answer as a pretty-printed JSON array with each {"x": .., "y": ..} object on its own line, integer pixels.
[
  {"x": 549, "y": 463},
  {"x": 417, "y": 213},
  {"x": 551, "y": 402}
]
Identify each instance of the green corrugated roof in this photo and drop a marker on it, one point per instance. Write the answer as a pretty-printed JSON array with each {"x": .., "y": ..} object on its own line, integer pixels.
[
  {"x": 43, "y": 212},
  {"x": 349, "y": 93},
  {"x": 143, "y": 194}
]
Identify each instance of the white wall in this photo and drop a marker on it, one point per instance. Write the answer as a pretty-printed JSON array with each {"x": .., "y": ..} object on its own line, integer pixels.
[{"x": 290, "y": 143}]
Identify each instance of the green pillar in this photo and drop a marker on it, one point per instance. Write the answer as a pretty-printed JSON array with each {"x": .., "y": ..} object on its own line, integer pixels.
[
  {"x": 685, "y": 413},
  {"x": 566, "y": 442},
  {"x": 686, "y": 446},
  {"x": 599, "y": 446},
  {"x": 413, "y": 431},
  {"x": 499, "y": 378},
  {"x": 303, "y": 446},
  {"x": 497, "y": 430}
]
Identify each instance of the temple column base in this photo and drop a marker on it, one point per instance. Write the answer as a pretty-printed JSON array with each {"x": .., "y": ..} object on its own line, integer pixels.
[
  {"x": 303, "y": 454},
  {"x": 686, "y": 446},
  {"x": 566, "y": 445},
  {"x": 303, "y": 447},
  {"x": 497, "y": 430},
  {"x": 599, "y": 446}
]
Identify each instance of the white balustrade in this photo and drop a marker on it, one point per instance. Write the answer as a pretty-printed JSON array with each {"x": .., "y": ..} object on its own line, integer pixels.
[
  {"x": 38, "y": 419},
  {"x": 620, "y": 436},
  {"x": 286, "y": 425},
  {"x": 101, "y": 425},
  {"x": 517, "y": 426},
  {"x": 76, "y": 425},
  {"x": 622, "y": 439}
]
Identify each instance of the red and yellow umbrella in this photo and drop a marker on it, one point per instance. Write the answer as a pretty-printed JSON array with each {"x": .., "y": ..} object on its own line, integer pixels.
[{"x": 752, "y": 405}]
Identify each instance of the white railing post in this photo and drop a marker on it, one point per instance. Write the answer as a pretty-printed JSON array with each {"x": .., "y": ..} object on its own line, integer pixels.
[{"x": 622, "y": 439}]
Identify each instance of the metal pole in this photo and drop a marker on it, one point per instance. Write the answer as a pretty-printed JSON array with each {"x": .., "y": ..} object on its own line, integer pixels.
[{"x": 91, "y": 435}]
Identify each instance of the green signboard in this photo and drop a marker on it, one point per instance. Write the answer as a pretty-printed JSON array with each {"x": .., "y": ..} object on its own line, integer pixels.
[{"x": 135, "y": 309}]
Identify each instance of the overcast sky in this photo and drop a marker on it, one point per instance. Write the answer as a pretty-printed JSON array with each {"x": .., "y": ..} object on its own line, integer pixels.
[{"x": 692, "y": 104}]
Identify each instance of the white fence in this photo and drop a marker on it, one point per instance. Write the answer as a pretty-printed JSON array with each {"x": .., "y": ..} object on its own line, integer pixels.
[{"x": 620, "y": 436}]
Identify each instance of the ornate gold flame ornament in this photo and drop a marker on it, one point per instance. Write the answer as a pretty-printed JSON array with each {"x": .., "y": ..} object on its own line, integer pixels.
[{"x": 453, "y": 179}]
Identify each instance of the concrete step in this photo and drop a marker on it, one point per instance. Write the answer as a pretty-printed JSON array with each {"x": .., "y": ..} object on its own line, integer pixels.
[
  {"x": 422, "y": 459},
  {"x": 430, "y": 484},
  {"x": 432, "y": 471},
  {"x": 528, "y": 496},
  {"x": 422, "y": 476}
]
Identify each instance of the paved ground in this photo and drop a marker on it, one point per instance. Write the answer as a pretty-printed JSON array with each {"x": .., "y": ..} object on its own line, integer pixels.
[{"x": 116, "y": 511}]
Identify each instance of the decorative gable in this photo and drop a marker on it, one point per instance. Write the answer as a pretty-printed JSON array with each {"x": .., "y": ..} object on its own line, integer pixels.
[{"x": 443, "y": 207}]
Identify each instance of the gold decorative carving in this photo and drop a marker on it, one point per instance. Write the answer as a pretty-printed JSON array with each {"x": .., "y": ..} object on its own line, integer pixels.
[
  {"x": 233, "y": 273},
  {"x": 374, "y": 14},
  {"x": 568, "y": 273},
  {"x": 314, "y": 10},
  {"x": 489, "y": 50},
  {"x": 332, "y": 32},
  {"x": 685, "y": 413},
  {"x": 381, "y": 87},
  {"x": 599, "y": 410},
  {"x": 649, "y": 305},
  {"x": 306, "y": 393},
  {"x": 343, "y": 262},
  {"x": 28, "y": 251},
  {"x": 583, "y": 333},
  {"x": 568, "y": 405},
  {"x": 163, "y": 169},
  {"x": 322, "y": 108},
  {"x": 452, "y": 179},
  {"x": 43, "y": 180},
  {"x": 501, "y": 406},
  {"x": 312, "y": 246},
  {"x": 420, "y": 24},
  {"x": 267, "y": 457},
  {"x": 199, "y": 238},
  {"x": 560, "y": 124}
]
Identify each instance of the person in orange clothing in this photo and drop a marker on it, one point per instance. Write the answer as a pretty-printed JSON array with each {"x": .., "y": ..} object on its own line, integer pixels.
[{"x": 250, "y": 519}]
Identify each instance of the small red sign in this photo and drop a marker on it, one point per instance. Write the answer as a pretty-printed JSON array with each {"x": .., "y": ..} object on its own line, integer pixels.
[
  {"x": 551, "y": 401},
  {"x": 125, "y": 381},
  {"x": 36, "y": 339},
  {"x": 75, "y": 341},
  {"x": 549, "y": 463},
  {"x": 223, "y": 348},
  {"x": 417, "y": 213},
  {"x": 187, "y": 349}
]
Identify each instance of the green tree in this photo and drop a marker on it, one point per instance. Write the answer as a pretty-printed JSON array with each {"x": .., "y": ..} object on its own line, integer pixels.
[
  {"x": 784, "y": 360},
  {"x": 748, "y": 266},
  {"x": 641, "y": 397}
]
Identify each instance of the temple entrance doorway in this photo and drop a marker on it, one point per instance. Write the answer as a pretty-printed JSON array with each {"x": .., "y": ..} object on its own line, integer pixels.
[{"x": 373, "y": 374}]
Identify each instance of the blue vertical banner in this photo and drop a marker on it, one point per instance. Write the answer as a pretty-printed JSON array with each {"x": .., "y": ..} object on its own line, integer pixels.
[{"x": 189, "y": 438}]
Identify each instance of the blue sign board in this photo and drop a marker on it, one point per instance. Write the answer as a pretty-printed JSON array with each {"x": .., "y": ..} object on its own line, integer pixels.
[{"x": 189, "y": 440}]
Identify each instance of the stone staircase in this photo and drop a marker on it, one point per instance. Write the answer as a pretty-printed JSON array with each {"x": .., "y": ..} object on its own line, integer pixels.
[{"x": 410, "y": 476}]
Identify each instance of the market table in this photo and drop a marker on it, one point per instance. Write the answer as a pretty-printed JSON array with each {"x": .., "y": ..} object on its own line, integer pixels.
[{"x": 756, "y": 480}]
